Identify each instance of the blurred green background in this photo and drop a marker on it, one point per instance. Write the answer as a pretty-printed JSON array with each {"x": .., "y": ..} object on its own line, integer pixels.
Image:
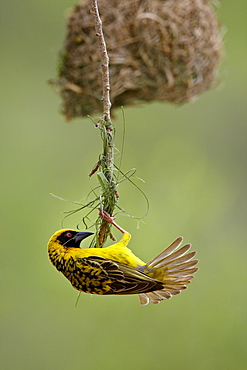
[{"x": 192, "y": 159}]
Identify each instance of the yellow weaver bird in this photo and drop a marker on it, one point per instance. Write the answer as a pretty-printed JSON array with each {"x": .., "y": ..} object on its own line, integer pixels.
[{"x": 116, "y": 270}]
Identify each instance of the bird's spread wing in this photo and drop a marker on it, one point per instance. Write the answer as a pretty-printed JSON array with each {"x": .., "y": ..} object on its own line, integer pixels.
[
  {"x": 177, "y": 268},
  {"x": 122, "y": 279}
]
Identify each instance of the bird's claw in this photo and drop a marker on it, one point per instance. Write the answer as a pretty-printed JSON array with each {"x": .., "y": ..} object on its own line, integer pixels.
[{"x": 105, "y": 215}]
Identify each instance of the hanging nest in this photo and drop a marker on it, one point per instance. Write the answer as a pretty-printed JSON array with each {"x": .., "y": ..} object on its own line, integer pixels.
[{"x": 159, "y": 50}]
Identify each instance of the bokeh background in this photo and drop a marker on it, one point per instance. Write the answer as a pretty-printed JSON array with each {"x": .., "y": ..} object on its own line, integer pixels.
[{"x": 193, "y": 161}]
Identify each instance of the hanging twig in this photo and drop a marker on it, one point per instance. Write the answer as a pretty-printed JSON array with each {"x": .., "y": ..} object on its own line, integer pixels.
[{"x": 106, "y": 164}]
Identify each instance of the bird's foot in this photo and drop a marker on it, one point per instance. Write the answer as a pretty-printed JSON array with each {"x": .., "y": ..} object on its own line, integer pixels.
[{"x": 105, "y": 215}]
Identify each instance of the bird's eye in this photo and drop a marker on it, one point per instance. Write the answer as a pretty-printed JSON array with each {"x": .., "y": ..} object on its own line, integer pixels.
[{"x": 69, "y": 235}]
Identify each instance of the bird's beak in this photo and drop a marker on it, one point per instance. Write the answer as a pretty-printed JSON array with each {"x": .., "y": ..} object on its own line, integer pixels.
[{"x": 81, "y": 235}]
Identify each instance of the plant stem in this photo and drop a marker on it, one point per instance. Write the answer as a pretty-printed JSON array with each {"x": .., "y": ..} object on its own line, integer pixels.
[{"x": 107, "y": 131}]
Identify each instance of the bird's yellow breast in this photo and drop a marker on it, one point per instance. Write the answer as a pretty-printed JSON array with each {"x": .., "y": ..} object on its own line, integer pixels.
[{"x": 117, "y": 252}]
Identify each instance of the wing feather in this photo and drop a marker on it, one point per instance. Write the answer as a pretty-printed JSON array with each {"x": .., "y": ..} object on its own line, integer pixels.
[
  {"x": 172, "y": 247},
  {"x": 124, "y": 279},
  {"x": 173, "y": 256},
  {"x": 177, "y": 267}
]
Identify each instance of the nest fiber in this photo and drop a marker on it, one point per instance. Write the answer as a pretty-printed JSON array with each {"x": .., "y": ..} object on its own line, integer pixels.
[{"x": 159, "y": 50}]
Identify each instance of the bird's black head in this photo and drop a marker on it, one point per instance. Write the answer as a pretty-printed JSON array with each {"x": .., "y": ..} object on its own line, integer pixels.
[{"x": 72, "y": 238}]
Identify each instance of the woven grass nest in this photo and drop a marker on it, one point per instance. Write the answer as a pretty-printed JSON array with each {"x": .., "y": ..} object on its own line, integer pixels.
[{"x": 159, "y": 50}]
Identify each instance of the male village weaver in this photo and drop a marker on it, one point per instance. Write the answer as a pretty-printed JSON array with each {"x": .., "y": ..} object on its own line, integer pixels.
[{"x": 116, "y": 270}]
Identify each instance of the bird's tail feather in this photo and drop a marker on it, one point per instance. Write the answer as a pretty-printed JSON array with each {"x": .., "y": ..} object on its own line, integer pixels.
[{"x": 178, "y": 268}]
